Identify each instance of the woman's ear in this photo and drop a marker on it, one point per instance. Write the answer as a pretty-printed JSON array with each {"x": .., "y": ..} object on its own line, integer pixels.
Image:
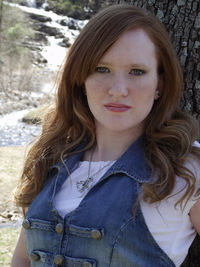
[{"x": 157, "y": 94}]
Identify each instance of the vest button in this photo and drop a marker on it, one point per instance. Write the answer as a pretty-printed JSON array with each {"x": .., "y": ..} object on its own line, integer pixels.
[
  {"x": 58, "y": 259},
  {"x": 34, "y": 256},
  {"x": 26, "y": 224},
  {"x": 59, "y": 228},
  {"x": 96, "y": 234},
  {"x": 87, "y": 264}
]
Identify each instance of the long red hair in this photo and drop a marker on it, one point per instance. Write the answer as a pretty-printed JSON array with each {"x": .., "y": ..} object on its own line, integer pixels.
[{"x": 169, "y": 132}]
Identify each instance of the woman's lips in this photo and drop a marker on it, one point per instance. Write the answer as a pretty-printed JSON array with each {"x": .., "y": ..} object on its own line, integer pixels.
[{"x": 117, "y": 107}]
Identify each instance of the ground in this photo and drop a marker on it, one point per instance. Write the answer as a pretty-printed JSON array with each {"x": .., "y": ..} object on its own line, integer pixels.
[
  {"x": 8, "y": 238},
  {"x": 11, "y": 159}
]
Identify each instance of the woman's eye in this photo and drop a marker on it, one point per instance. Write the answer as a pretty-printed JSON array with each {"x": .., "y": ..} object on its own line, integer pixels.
[
  {"x": 102, "y": 70},
  {"x": 137, "y": 72}
]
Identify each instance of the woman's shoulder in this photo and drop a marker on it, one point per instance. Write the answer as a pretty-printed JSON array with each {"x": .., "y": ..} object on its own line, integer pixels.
[
  {"x": 192, "y": 165},
  {"x": 193, "y": 162}
]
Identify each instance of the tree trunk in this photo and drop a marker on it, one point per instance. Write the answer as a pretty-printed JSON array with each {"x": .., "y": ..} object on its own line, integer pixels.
[{"x": 182, "y": 20}]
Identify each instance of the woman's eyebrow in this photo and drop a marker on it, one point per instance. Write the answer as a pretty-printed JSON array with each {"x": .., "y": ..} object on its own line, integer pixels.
[
  {"x": 139, "y": 65},
  {"x": 104, "y": 63},
  {"x": 131, "y": 65}
]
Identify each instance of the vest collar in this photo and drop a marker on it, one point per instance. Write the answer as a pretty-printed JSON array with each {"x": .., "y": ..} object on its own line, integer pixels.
[{"x": 132, "y": 162}]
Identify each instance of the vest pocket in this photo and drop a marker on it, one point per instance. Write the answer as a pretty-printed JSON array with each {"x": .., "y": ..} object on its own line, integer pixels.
[
  {"x": 38, "y": 224},
  {"x": 41, "y": 258},
  {"x": 94, "y": 233}
]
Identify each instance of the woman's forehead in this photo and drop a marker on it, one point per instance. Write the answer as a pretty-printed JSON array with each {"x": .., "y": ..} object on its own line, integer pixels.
[{"x": 132, "y": 47}]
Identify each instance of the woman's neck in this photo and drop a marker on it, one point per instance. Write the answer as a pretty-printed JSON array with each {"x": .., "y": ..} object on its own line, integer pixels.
[{"x": 110, "y": 146}]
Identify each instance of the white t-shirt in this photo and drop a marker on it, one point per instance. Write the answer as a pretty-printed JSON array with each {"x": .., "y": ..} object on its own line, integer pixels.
[
  {"x": 169, "y": 226},
  {"x": 69, "y": 197}
]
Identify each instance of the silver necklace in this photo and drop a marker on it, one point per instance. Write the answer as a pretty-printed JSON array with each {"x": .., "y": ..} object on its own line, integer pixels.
[{"x": 84, "y": 185}]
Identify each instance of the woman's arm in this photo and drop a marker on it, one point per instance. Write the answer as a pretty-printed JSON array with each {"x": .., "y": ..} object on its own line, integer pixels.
[
  {"x": 20, "y": 258},
  {"x": 195, "y": 216}
]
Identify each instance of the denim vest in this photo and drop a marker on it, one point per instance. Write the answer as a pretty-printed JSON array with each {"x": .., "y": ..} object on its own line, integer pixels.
[{"x": 101, "y": 231}]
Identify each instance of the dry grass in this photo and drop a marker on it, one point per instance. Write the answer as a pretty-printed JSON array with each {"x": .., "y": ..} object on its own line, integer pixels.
[
  {"x": 8, "y": 238},
  {"x": 11, "y": 159}
]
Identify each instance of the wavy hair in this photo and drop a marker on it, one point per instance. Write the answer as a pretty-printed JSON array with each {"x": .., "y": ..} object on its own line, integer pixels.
[{"x": 169, "y": 132}]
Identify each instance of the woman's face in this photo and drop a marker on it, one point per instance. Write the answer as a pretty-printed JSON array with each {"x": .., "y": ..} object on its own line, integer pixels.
[{"x": 124, "y": 85}]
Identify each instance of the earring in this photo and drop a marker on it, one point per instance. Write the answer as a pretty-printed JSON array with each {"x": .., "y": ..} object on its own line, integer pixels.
[
  {"x": 84, "y": 92},
  {"x": 82, "y": 88},
  {"x": 157, "y": 95}
]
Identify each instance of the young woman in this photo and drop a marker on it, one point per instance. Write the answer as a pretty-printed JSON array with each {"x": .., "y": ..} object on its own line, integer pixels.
[{"x": 113, "y": 179}]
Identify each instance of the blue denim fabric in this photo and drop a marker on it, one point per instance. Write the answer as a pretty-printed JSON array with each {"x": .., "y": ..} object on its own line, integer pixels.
[{"x": 101, "y": 231}]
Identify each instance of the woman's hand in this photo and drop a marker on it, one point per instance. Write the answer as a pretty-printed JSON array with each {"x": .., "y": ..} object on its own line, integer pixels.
[{"x": 195, "y": 216}]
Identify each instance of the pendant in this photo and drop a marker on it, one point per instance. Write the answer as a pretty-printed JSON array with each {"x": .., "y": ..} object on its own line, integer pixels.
[{"x": 83, "y": 185}]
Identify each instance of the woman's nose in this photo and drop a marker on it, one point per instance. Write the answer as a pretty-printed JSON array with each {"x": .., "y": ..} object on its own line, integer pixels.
[{"x": 119, "y": 86}]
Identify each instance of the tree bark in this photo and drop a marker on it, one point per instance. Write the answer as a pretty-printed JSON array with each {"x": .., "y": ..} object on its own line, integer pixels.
[{"x": 182, "y": 20}]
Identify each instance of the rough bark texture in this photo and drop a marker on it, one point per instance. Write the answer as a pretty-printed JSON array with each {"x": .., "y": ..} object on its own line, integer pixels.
[
  {"x": 193, "y": 257},
  {"x": 182, "y": 20}
]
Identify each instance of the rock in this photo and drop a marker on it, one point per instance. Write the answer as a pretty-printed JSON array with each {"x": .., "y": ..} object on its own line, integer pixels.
[
  {"x": 76, "y": 14},
  {"x": 63, "y": 22},
  {"x": 40, "y": 18},
  {"x": 51, "y": 31},
  {"x": 65, "y": 42},
  {"x": 34, "y": 116},
  {"x": 70, "y": 23},
  {"x": 40, "y": 37},
  {"x": 38, "y": 59},
  {"x": 22, "y": 2},
  {"x": 39, "y": 3},
  {"x": 60, "y": 35},
  {"x": 32, "y": 45}
]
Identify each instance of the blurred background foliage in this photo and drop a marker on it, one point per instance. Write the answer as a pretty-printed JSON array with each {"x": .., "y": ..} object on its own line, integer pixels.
[
  {"x": 15, "y": 56},
  {"x": 78, "y": 9},
  {"x": 15, "y": 29}
]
